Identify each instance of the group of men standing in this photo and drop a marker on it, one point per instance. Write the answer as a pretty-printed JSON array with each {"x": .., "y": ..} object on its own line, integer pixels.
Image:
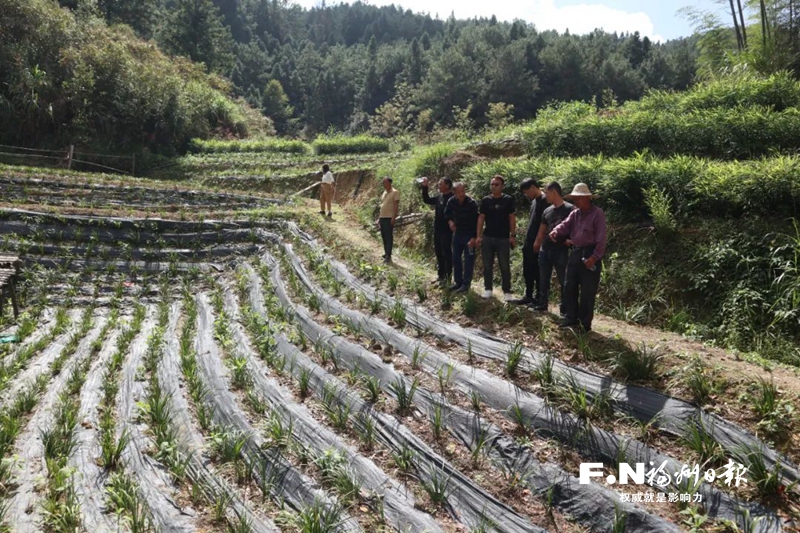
[{"x": 569, "y": 238}]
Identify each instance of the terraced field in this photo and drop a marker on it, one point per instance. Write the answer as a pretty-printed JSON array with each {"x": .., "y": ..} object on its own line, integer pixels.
[{"x": 218, "y": 369}]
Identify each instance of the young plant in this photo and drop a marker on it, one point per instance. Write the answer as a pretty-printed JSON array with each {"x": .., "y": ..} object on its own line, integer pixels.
[
  {"x": 418, "y": 357},
  {"x": 445, "y": 374},
  {"x": 228, "y": 445},
  {"x": 769, "y": 482},
  {"x": 392, "y": 281},
  {"x": 437, "y": 487},
  {"x": 404, "y": 394},
  {"x": 544, "y": 373},
  {"x": 620, "y": 520},
  {"x": 279, "y": 432},
  {"x": 397, "y": 314},
  {"x": 701, "y": 440},
  {"x": 372, "y": 387},
  {"x": 637, "y": 365},
  {"x": 404, "y": 458},
  {"x": 337, "y": 474},
  {"x": 470, "y": 304},
  {"x": 518, "y": 416},
  {"x": 580, "y": 402},
  {"x": 365, "y": 427},
  {"x": 479, "y": 445},
  {"x": 123, "y": 496},
  {"x": 766, "y": 398},
  {"x": 319, "y": 518},
  {"x": 513, "y": 359},
  {"x": 303, "y": 381},
  {"x": 437, "y": 421}
]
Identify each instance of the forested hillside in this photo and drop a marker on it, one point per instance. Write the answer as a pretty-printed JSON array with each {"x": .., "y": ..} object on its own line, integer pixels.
[{"x": 100, "y": 73}]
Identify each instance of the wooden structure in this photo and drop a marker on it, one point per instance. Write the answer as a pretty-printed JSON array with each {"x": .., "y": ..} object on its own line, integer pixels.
[{"x": 9, "y": 273}]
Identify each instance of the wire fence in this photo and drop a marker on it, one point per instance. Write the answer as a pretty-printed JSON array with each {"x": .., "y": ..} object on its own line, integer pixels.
[{"x": 69, "y": 157}]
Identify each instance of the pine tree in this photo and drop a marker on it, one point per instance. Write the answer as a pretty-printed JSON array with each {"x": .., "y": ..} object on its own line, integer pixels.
[
  {"x": 415, "y": 65},
  {"x": 195, "y": 30},
  {"x": 426, "y": 41},
  {"x": 141, "y": 15},
  {"x": 275, "y": 105}
]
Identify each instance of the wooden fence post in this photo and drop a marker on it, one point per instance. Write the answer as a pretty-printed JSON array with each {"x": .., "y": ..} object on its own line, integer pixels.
[{"x": 69, "y": 156}]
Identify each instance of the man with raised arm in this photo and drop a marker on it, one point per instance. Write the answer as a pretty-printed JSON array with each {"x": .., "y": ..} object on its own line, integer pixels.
[
  {"x": 442, "y": 235},
  {"x": 461, "y": 213}
]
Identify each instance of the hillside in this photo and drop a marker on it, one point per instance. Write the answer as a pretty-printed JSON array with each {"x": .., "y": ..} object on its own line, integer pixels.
[{"x": 68, "y": 78}]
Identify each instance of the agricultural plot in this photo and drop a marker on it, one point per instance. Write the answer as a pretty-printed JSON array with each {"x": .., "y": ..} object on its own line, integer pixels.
[{"x": 232, "y": 375}]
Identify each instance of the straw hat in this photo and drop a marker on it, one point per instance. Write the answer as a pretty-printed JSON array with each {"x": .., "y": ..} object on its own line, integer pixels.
[{"x": 580, "y": 189}]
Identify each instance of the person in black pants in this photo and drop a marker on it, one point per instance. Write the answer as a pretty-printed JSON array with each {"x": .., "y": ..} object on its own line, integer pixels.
[
  {"x": 585, "y": 227},
  {"x": 390, "y": 208},
  {"x": 461, "y": 213},
  {"x": 442, "y": 235},
  {"x": 552, "y": 255},
  {"x": 497, "y": 212},
  {"x": 530, "y": 255}
]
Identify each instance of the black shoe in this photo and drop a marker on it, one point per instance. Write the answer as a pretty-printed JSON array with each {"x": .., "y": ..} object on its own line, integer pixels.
[
  {"x": 387, "y": 260},
  {"x": 330, "y": 214},
  {"x": 462, "y": 288},
  {"x": 454, "y": 287},
  {"x": 322, "y": 213},
  {"x": 568, "y": 325},
  {"x": 539, "y": 308},
  {"x": 525, "y": 300}
]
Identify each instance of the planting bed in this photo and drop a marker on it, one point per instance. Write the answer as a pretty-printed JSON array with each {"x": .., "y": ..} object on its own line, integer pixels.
[{"x": 232, "y": 375}]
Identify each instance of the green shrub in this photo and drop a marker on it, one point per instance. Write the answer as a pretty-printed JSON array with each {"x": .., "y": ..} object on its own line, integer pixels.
[
  {"x": 724, "y": 133},
  {"x": 215, "y": 146},
  {"x": 340, "y": 144},
  {"x": 778, "y": 92},
  {"x": 735, "y": 117}
]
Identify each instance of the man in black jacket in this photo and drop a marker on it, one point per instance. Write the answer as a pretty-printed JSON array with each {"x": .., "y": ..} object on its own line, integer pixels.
[
  {"x": 530, "y": 255},
  {"x": 461, "y": 213},
  {"x": 442, "y": 236}
]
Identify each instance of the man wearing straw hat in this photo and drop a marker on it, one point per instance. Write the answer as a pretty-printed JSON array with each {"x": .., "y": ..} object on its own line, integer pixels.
[{"x": 586, "y": 228}]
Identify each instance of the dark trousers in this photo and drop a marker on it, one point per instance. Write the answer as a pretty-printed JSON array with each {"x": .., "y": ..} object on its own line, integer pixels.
[
  {"x": 502, "y": 249},
  {"x": 550, "y": 258},
  {"x": 530, "y": 269},
  {"x": 387, "y": 234},
  {"x": 580, "y": 290},
  {"x": 463, "y": 260},
  {"x": 443, "y": 246}
]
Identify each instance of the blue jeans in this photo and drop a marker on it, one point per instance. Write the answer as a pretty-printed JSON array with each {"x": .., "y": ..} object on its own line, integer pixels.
[
  {"x": 463, "y": 260},
  {"x": 549, "y": 258}
]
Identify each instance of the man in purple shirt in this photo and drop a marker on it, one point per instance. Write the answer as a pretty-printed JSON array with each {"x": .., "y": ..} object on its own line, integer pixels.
[{"x": 586, "y": 228}]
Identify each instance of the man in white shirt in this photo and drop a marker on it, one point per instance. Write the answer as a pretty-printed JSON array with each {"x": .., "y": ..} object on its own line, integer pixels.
[{"x": 326, "y": 190}]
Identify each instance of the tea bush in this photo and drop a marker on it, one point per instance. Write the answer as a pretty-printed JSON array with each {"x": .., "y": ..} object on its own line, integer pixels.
[
  {"x": 340, "y": 144},
  {"x": 696, "y": 186},
  {"x": 722, "y": 133},
  {"x": 216, "y": 146}
]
